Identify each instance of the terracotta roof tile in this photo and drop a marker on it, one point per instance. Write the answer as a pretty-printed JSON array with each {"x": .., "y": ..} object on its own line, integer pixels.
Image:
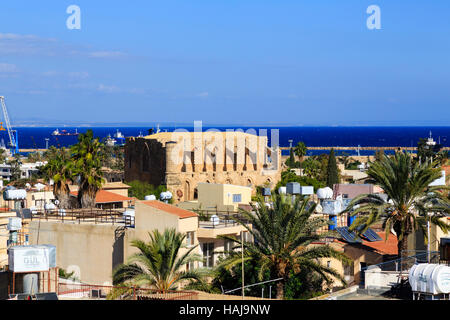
[
  {"x": 104, "y": 196},
  {"x": 384, "y": 247},
  {"x": 182, "y": 213}
]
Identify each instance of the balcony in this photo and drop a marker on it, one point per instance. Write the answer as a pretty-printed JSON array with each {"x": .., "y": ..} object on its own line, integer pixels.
[
  {"x": 92, "y": 215},
  {"x": 212, "y": 223}
]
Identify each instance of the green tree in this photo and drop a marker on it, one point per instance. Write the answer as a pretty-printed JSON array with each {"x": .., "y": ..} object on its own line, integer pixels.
[
  {"x": 301, "y": 150},
  {"x": 410, "y": 199},
  {"x": 141, "y": 189},
  {"x": 88, "y": 155},
  {"x": 159, "y": 263},
  {"x": 379, "y": 155},
  {"x": 59, "y": 168},
  {"x": 332, "y": 170},
  {"x": 282, "y": 235}
]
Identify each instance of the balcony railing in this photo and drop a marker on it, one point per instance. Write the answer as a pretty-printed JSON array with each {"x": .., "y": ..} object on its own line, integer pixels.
[
  {"x": 91, "y": 215},
  {"x": 88, "y": 292},
  {"x": 214, "y": 219}
]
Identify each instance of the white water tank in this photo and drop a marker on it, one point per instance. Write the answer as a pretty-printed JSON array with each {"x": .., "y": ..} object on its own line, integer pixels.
[
  {"x": 430, "y": 278},
  {"x": 15, "y": 194},
  {"x": 282, "y": 190},
  {"x": 215, "y": 220},
  {"x": 14, "y": 224},
  {"x": 150, "y": 197},
  {"x": 325, "y": 193},
  {"x": 129, "y": 212}
]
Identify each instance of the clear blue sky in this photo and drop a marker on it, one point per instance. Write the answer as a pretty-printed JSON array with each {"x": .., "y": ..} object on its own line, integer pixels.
[{"x": 227, "y": 61}]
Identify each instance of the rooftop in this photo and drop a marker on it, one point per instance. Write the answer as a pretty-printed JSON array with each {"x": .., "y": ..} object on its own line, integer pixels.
[
  {"x": 104, "y": 196},
  {"x": 181, "y": 213},
  {"x": 388, "y": 247}
]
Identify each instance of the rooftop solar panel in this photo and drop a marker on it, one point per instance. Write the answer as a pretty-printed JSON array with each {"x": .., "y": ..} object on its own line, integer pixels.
[
  {"x": 348, "y": 235},
  {"x": 371, "y": 235}
]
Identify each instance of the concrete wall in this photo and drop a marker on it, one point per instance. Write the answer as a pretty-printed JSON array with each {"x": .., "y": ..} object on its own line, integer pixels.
[
  {"x": 377, "y": 279},
  {"x": 91, "y": 250},
  {"x": 212, "y": 195}
]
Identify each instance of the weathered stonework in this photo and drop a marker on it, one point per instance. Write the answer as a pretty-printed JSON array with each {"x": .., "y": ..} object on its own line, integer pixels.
[{"x": 181, "y": 160}]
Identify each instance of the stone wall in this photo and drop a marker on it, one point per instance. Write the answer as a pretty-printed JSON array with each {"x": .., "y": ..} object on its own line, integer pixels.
[{"x": 181, "y": 165}]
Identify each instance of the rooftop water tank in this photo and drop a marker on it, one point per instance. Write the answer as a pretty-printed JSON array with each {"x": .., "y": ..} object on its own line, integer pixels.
[
  {"x": 51, "y": 254},
  {"x": 332, "y": 207},
  {"x": 28, "y": 258},
  {"x": 150, "y": 197},
  {"x": 325, "y": 193},
  {"x": 14, "y": 224},
  {"x": 430, "y": 278},
  {"x": 129, "y": 212},
  {"x": 282, "y": 190},
  {"x": 293, "y": 188},
  {"x": 306, "y": 190},
  {"x": 165, "y": 195},
  {"x": 215, "y": 220},
  {"x": 15, "y": 194}
]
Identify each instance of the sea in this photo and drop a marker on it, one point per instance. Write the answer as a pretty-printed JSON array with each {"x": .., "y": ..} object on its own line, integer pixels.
[{"x": 41, "y": 137}]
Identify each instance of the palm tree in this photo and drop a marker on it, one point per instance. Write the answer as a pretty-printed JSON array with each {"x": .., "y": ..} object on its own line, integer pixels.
[
  {"x": 59, "y": 168},
  {"x": 410, "y": 201},
  {"x": 301, "y": 150},
  {"x": 88, "y": 155},
  {"x": 159, "y": 263},
  {"x": 283, "y": 234}
]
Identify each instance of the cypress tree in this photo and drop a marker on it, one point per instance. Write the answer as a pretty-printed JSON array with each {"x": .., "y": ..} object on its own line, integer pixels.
[
  {"x": 291, "y": 159},
  {"x": 332, "y": 170}
]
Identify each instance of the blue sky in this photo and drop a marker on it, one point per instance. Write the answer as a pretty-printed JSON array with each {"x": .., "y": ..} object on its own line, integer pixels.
[{"x": 228, "y": 62}]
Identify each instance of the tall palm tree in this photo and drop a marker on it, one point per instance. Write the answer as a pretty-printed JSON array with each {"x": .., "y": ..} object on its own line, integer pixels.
[
  {"x": 283, "y": 234},
  {"x": 88, "y": 155},
  {"x": 410, "y": 201},
  {"x": 159, "y": 263},
  {"x": 300, "y": 150},
  {"x": 59, "y": 168}
]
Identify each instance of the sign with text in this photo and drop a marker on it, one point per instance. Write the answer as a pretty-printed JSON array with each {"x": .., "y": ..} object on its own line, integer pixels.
[{"x": 28, "y": 259}]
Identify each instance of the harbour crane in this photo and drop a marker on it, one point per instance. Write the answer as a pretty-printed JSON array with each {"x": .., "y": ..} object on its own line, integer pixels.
[{"x": 13, "y": 138}]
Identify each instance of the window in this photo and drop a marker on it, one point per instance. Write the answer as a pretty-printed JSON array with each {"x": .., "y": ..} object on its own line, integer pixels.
[
  {"x": 228, "y": 246},
  {"x": 246, "y": 236},
  {"x": 345, "y": 196},
  {"x": 190, "y": 266},
  {"x": 237, "y": 198},
  {"x": 208, "y": 255},
  {"x": 328, "y": 264},
  {"x": 190, "y": 238}
]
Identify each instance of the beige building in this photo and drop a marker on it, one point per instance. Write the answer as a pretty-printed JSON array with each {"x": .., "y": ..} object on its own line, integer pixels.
[
  {"x": 93, "y": 250},
  {"x": 182, "y": 160},
  {"x": 220, "y": 197}
]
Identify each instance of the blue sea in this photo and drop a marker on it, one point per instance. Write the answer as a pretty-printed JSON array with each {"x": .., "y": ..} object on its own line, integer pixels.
[{"x": 35, "y": 137}]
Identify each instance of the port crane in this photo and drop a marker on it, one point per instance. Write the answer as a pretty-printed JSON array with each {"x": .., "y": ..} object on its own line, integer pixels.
[{"x": 13, "y": 138}]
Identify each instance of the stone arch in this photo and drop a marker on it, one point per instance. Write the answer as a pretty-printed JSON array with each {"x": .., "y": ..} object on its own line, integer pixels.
[
  {"x": 187, "y": 190},
  {"x": 195, "y": 193}
]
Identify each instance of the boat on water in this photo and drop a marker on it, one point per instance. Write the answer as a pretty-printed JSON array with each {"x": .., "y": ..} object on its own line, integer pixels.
[
  {"x": 119, "y": 137},
  {"x": 110, "y": 142},
  {"x": 65, "y": 133}
]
